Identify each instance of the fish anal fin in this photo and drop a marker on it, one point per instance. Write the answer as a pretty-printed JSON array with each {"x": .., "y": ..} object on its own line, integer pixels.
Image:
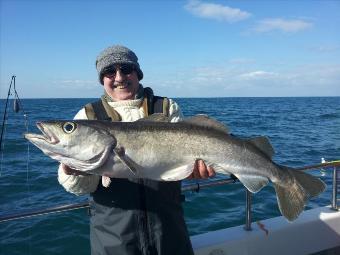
[
  {"x": 253, "y": 183},
  {"x": 263, "y": 144}
]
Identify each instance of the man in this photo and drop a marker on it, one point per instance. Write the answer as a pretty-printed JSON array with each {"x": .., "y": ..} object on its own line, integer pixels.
[{"x": 131, "y": 216}]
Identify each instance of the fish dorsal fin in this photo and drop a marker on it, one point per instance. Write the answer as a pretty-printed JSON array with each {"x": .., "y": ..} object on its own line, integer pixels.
[
  {"x": 157, "y": 117},
  {"x": 205, "y": 121},
  {"x": 263, "y": 144}
]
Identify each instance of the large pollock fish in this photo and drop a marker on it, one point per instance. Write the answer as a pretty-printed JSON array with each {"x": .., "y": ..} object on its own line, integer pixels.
[{"x": 156, "y": 149}]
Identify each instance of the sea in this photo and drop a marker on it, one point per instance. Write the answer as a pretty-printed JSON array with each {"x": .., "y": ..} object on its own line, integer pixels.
[{"x": 302, "y": 130}]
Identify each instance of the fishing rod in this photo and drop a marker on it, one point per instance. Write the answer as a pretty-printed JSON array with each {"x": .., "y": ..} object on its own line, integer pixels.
[
  {"x": 5, "y": 112},
  {"x": 17, "y": 106},
  {"x": 196, "y": 187}
]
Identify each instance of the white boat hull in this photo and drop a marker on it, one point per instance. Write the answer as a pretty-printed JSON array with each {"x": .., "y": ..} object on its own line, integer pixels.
[{"x": 314, "y": 231}]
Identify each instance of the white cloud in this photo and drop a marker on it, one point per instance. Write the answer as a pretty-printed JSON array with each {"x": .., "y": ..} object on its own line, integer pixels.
[
  {"x": 288, "y": 26},
  {"x": 240, "y": 80},
  {"x": 256, "y": 75},
  {"x": 242, "y": 61},
  {"x": 77, "y": 84},
  {"x": 216, "y": 11},
  {"x": 325, "y": 48}
]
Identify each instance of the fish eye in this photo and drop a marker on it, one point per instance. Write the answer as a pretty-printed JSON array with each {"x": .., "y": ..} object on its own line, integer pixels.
[{"x": 69, "y": 127}]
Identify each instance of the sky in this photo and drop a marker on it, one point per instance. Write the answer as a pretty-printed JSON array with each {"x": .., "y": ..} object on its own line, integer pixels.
[{"x": 186, "y": 48}]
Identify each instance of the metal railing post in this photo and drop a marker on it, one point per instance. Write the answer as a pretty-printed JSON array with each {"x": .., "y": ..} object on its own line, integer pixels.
[
  {"x": 335, "y": 189},
  {"x": 247, "y": 227}
]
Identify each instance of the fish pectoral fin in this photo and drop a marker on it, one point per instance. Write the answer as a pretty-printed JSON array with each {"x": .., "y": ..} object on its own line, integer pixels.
[
  {"x": 253, "y": 183},
  {"x": 178, "y": 173},
  {"x": 125, "y": 159}
]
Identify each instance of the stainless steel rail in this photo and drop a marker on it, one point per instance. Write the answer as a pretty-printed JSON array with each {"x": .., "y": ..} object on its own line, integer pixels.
[
  {"x": 85, "y": 204},
  {"x": 189, "y": 187},
  {"x": 42, "y": 211},
  {"x": 247, "y": 226},
  {"x": 335, "y": 189}
]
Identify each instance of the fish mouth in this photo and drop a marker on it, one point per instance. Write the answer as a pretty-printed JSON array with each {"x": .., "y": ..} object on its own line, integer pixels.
[{"x": 47, "y": 135}]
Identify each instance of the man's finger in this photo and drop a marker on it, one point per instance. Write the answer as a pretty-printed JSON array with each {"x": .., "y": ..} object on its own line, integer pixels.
[
  {"x": 195, "y": 172},
  {"x": 211, "y": 171},
  {"x": 202, "y": 169}
]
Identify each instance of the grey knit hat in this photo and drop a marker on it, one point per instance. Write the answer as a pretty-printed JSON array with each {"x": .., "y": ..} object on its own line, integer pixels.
[{"x": 116, "y": 54}]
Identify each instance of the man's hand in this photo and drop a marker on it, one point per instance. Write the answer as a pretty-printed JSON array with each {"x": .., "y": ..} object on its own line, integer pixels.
[
  {"x": 69, "y": 171},
  {"x": 201, "y": 171}
]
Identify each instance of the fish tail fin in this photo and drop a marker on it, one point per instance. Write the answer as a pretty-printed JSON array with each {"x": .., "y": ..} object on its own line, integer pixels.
[{"x": 293, "y": 196}]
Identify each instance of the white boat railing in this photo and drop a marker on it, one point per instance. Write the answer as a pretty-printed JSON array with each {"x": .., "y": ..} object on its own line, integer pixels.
[{"x": 4, "y": 217}]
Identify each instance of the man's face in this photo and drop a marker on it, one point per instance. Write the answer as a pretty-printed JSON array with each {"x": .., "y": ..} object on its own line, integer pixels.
[{"x": 121, "y": 82}]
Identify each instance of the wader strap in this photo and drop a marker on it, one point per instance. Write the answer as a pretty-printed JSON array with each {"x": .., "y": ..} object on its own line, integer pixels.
[
  {"x": 145, "y": 107},
  {"x": 90, "y": 111},
  {"x": 112, "y": 113},
  {"x": 161, "y": 105},
  {"x": 148, "y": 101},
  {"x": 101, "y": 110},
  {"x": 154, "y": 104}
]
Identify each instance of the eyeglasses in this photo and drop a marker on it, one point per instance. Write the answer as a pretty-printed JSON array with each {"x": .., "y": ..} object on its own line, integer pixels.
[{"x": 125, "y": 69}]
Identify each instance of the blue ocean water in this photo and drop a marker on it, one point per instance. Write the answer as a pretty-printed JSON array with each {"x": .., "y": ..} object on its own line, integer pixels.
[{"x": 302, "y": 131}]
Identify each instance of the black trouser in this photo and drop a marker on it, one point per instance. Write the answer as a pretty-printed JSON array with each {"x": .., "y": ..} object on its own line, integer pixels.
[{"x": 138, "y": 217}]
